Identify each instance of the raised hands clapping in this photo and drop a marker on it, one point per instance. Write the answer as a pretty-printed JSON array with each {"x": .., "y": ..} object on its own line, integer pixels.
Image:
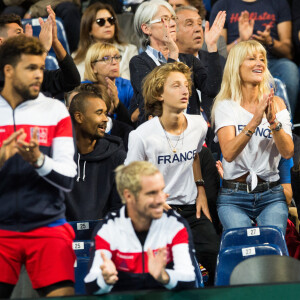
[
  {"x": 246, "y": 26},
  {"x": 212, "y": 34}
]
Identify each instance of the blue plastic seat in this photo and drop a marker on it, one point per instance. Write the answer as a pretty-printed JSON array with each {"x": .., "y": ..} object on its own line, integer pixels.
[
  {"x": 51, "y": 63},
  {"x": 254, "y": 235},
  {"x": 81, "y": 269},
  {"x": 82, "y": 248},
  {"x": 280, "y": 91},
  {"x": 61, "y": 33},
  {"x": 84, "y": 229},
  {"x": 229, "y": 257}
]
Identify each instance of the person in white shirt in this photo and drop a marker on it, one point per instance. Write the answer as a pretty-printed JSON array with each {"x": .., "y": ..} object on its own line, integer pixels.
[
  {"x": 172, "y": 141},
  {"x": 254, "y": 131}
]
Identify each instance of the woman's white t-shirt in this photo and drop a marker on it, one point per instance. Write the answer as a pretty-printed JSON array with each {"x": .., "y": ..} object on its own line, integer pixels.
[
  {"x": 148, "y": 142},
  {"x": 260, "y": 156}
]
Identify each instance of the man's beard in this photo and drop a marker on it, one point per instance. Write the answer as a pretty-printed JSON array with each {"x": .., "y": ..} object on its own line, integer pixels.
[
  {"x": 97, "y": 137},
  {"x": 25, "y": 93}
]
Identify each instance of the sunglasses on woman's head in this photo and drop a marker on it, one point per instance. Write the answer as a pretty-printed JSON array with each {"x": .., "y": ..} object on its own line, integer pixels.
[{"x": 101, "y": 21}]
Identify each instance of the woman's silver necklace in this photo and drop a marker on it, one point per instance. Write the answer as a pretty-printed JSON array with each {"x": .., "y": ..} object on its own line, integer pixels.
[{"x": 173, "y": 148}]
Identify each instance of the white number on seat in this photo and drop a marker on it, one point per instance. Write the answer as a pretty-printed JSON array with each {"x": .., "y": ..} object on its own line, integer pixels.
[
  {"x": 78, "y": 245},
  {"x": 248, "y": 251},
  {"x": 253, "y": 232},
  {"x": 83, "y": 226}
]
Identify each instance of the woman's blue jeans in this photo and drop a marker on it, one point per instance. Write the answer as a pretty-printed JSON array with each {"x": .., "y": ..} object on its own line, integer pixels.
[{"x": 237, "y": 208}]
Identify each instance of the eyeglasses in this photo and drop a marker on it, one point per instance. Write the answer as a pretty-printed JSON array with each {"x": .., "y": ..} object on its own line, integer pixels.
[
  {"x": 101, "y": 21},
  {"x": 109, "y": 59},
  {"x": 165, "y": 19}
]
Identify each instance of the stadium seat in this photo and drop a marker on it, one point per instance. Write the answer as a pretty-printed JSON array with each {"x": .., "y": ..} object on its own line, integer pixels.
[
  {"x": 266, "y": 269},
  {"x": 254, "y": 235},
  {"x": 51, "y": 63},
  {"x": 229, "y": 257},
  {"x": 82, "y": 248},
  {"x": 81, "y": 269},
  {"x": 280, "y": 91},
  {"x": 61, "y": 34},
  {"x": 84, "y": 229}
]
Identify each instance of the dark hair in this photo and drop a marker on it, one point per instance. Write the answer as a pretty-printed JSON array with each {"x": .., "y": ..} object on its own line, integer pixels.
[
  {"x": 12, "y": 49},
  {"x": 88, "y": 17},
  {"x": 200, "y": 6},
  {"x": 9, "y": 19},
  {"x": 78, "y": 103},
  {"x": 98, "y": 91},
  {"x": 197, "y": 4}
]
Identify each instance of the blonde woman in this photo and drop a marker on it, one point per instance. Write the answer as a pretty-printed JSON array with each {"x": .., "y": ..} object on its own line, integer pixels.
[
  {"x": 102, "y": 66},
  {"x": 254, "y": 130}
]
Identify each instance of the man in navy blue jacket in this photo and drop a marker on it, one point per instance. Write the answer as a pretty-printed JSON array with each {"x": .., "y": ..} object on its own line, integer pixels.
[
  {"x": 98, "y": 154},
  {"x": 36, "y": 166}
]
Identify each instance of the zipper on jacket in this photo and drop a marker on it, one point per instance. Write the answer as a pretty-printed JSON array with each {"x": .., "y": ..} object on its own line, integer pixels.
[
  {"x": 17, "y": 183},
  {"x": 143, "y": 260},
  {"x": 14, "y": 121}
]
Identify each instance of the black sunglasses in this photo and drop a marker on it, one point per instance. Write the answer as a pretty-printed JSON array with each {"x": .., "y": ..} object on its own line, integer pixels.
[{"x": 101, "y": 21}]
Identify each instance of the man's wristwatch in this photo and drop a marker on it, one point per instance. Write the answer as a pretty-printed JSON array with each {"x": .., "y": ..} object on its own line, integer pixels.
[
  {"x": 200, "y": 182},
  {"x": 40, "y": 161}
]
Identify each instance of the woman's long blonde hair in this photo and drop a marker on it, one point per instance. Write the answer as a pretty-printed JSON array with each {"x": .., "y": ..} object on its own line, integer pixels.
[{"x": 231, "y": 87}]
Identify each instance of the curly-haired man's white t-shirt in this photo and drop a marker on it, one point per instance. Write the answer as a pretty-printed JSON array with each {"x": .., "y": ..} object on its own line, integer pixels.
[{"x": 148, "y": 142}]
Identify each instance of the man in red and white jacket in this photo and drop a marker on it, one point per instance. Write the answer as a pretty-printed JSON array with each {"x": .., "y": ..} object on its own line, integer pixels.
[
  {"x": 36, "y": 166},
  {"x": 141, "y": 246}
]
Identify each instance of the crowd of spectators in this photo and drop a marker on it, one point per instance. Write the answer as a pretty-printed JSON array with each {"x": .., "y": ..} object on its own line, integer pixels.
[{"x": 195, "y": 87}]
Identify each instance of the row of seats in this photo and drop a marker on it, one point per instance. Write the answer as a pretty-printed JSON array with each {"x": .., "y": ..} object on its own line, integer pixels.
[
  {"x": 240, "y": 244},
  {"x": 82, "y": 247},
  {"x": 236, "y": 246}
]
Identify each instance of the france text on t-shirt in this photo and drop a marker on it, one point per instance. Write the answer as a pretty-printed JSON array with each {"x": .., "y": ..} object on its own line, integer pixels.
[
  {"x": 259, "y": 131},
  {"x": 180, "y": 157}
]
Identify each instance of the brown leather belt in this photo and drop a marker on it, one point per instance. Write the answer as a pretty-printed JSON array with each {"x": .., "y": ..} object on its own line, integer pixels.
[{"x": 260, "y": 188}]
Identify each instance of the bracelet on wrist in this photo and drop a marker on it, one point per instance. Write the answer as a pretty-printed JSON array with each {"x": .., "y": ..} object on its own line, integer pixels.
[
  {"x": 200, "y": 182},
  {"x": 247, "y": 132}
]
